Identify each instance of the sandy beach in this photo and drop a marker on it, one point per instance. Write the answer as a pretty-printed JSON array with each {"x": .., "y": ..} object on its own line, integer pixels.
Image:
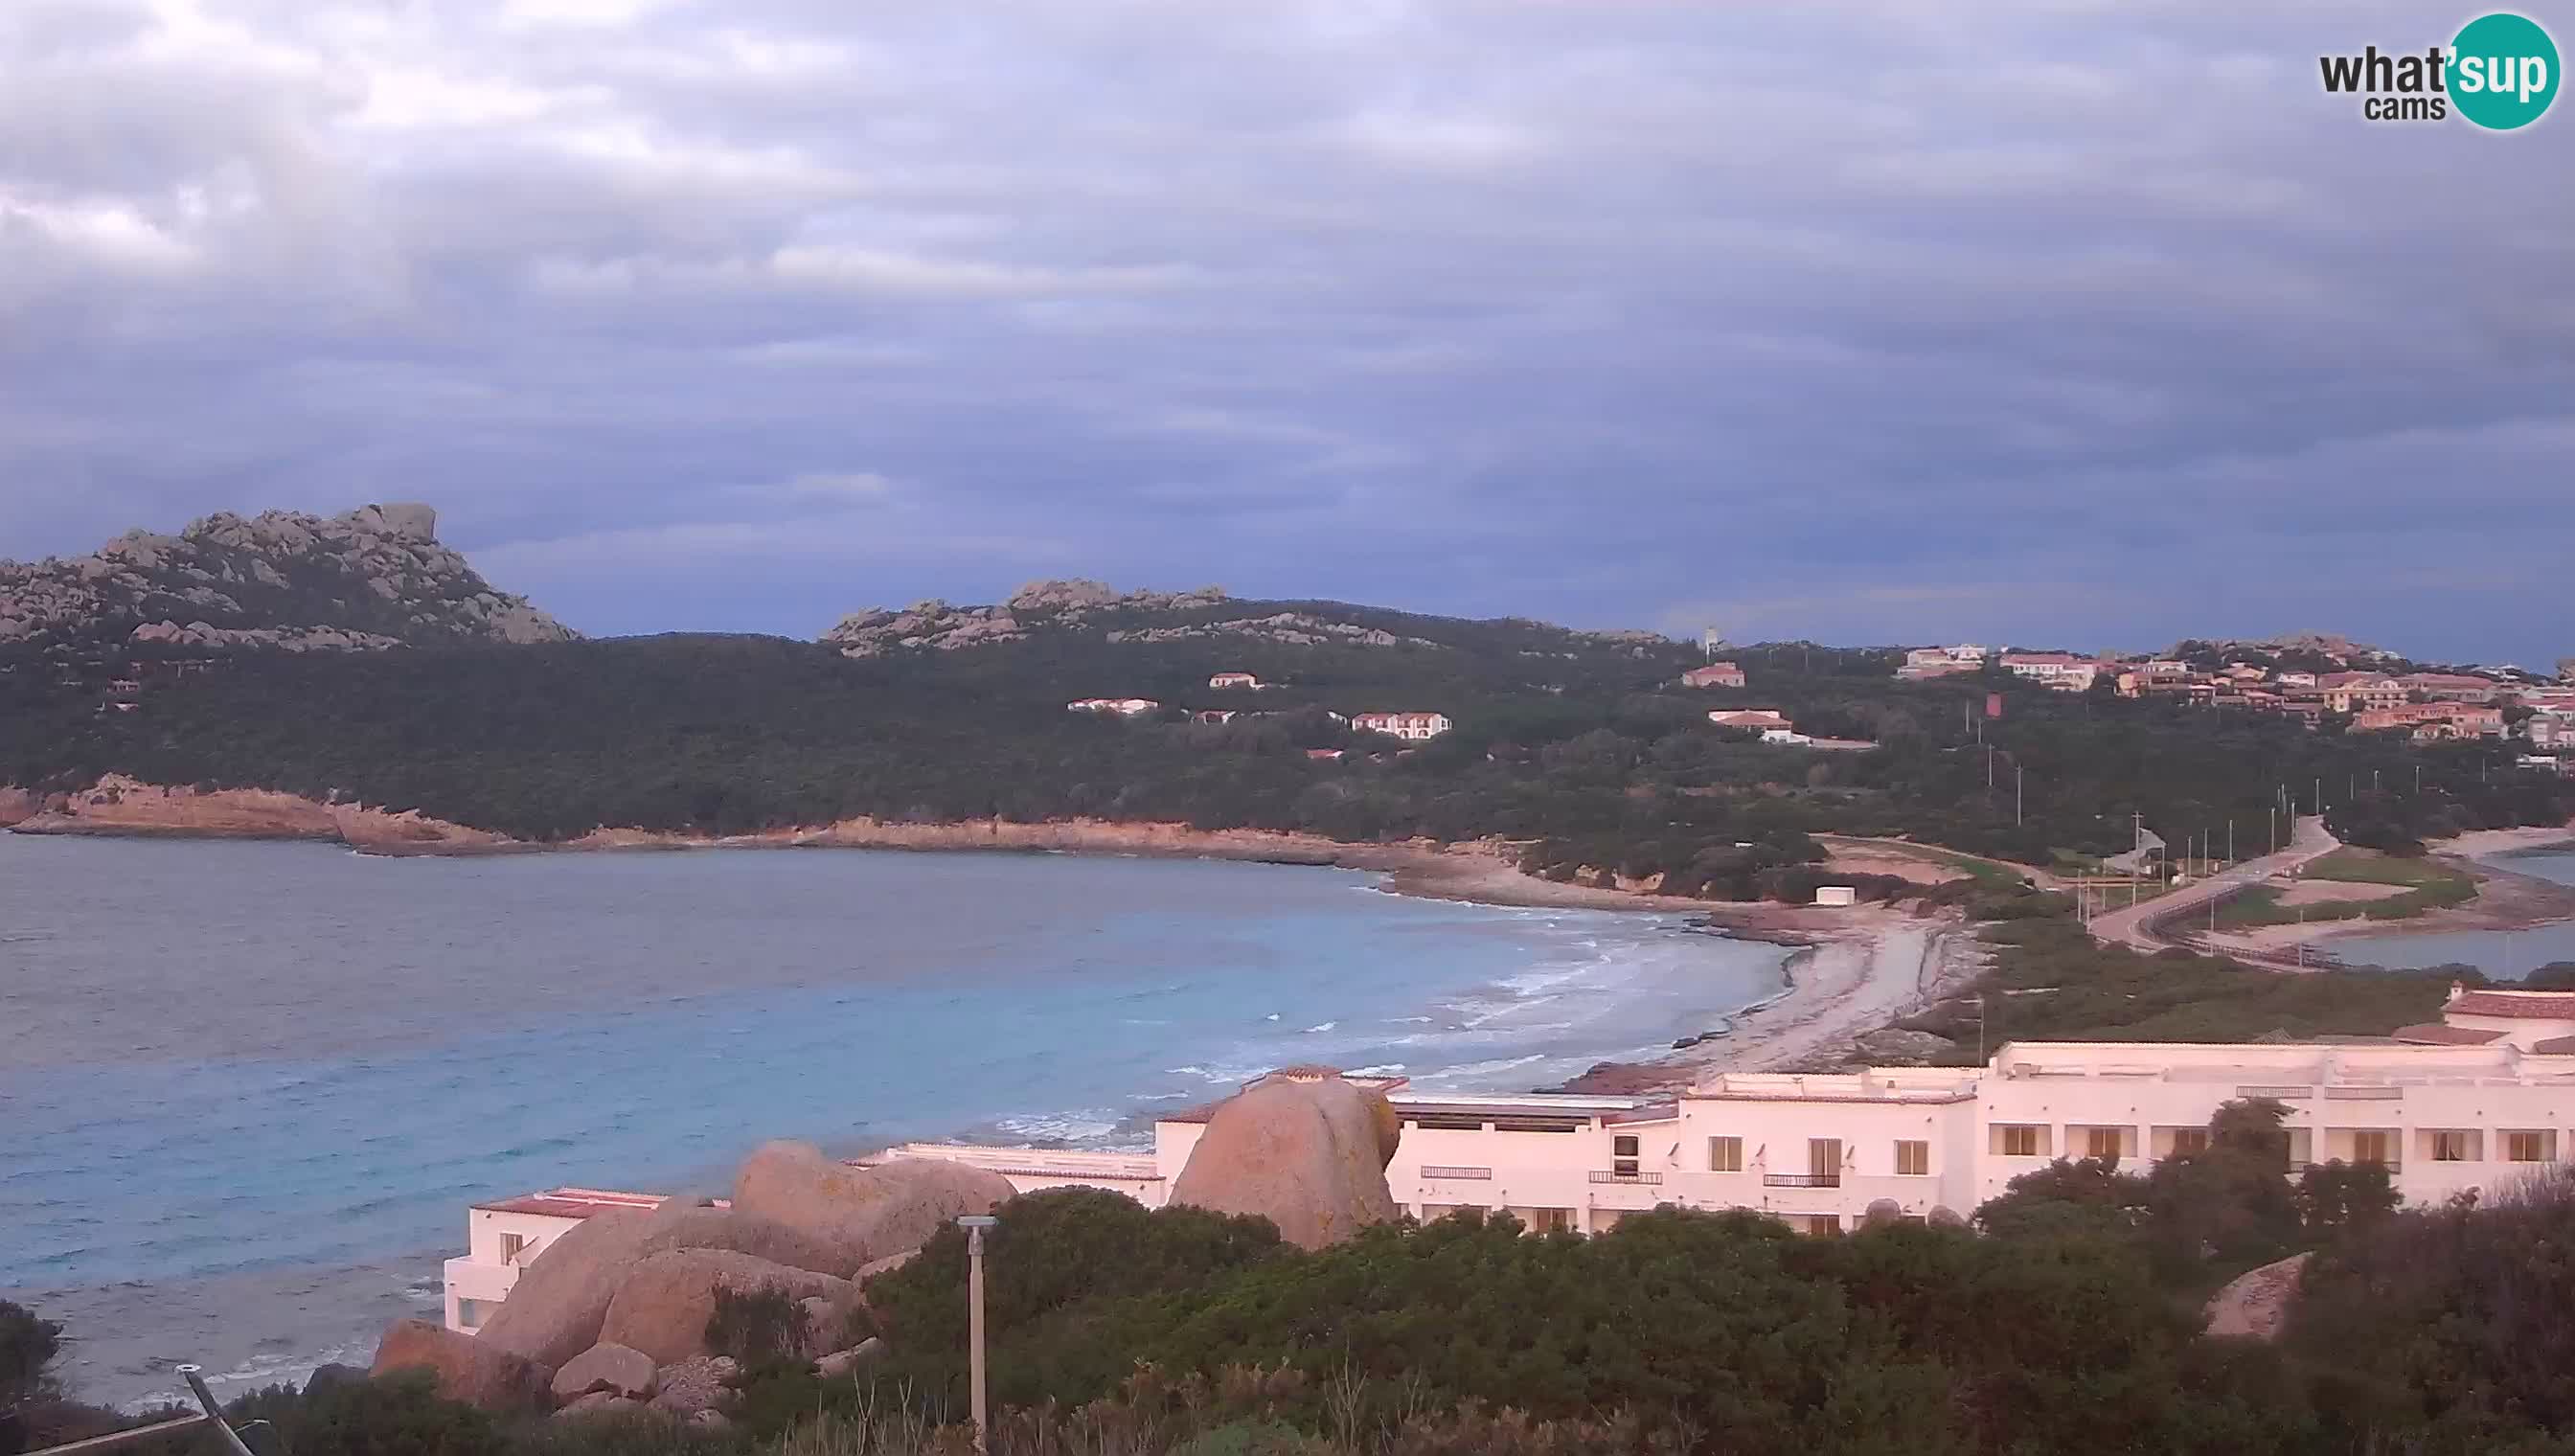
[{"x": 1857, "y": 969}]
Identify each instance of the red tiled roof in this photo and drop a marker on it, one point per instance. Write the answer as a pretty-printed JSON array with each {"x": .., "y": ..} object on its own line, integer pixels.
[
  {"x": 2433, "y": 1033},
  {"x": 574, "y": 1203},
  {"x": 2539, "y": 1005}
]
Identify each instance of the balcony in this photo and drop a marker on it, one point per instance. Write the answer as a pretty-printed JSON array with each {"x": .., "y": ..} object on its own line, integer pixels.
[
  {"x": 1631, "y": 1176},
  {"x": 1801, "y": 1180},
  {"x": 1435, "y": 1170}
]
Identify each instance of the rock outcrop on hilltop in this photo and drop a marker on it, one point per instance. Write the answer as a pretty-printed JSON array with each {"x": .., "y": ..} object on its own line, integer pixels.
[
  {"x": 1306, "y": 1152},
  {"x": 372, "y": 578},
  {"x": 1082, "y": 604},
  {"x": 936, "y": 623}
]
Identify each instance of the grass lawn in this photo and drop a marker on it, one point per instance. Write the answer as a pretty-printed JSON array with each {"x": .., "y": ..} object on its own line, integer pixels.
[
  {"x": 1984, "y": 871},
  {"x": 2429, "y": 884},
  {"x": 2070, "y": 989}
]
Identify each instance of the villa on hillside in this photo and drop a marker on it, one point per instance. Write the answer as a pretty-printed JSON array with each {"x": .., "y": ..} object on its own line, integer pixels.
[
  {"x": 2467, "y": 1103},
  {"x": 2061, "y": 671},
  {"x": 1223, "y": 682},
  {"x": 1925, "y": 662},
  {"x": 1714, "y": 675},
  {"x": 1414, "y": 725},
  {"x": 2432, "y": 720},
  {"x": 1760, "y": 719},
  {"x": 1123, "y": 706}
]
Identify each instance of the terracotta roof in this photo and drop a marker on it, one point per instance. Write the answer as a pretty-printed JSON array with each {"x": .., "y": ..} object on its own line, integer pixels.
[
  {"x": 573, "y": 1202},
  {"x": 2539, "y": 1005},
  {"x": 2433, "y": 1033}
]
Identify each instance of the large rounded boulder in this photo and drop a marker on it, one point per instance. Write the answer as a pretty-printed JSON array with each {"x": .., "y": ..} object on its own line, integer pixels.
[
  {"x": 554, "y": 1311},
  {"x": 861, "y": 1213},
  {"x": 1309, "y": 1155},
  {"x": 560, "y": 1300},
  {"x": 663, "y": 1306},
  {"x": 2255, "y": 1305},
  {"x": 464, "y": 1367}
]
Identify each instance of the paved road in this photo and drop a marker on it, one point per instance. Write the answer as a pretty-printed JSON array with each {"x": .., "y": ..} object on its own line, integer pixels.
[{"x": 2129, "y": 925}]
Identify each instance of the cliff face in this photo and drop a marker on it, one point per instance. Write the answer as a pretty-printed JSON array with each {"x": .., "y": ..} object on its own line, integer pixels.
[{"x": 282, "y": 581}]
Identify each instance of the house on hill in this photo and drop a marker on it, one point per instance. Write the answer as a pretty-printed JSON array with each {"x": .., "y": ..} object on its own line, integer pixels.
[
  {"x": 1123, "y": 706},
  {"x": 1230, "y": 682},
  {"x": 1714, "y": 675},
  {"x": 1414, "y": 725}
]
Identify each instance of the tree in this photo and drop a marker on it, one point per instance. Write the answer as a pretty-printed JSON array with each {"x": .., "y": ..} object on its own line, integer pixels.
[
  {"x": 2336, "y": 1198},
  {"x": 2229, "y": 1202},
  {"x": 27, "y": 1346}
]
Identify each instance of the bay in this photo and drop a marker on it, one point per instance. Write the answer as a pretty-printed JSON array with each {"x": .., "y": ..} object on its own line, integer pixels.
[{"x": 247, "y": 1091}]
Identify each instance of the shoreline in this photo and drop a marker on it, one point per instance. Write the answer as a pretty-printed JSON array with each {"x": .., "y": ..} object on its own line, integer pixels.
[
  {"x": 2506, "y": 898},
  {"x": 1856, "y": 969}
]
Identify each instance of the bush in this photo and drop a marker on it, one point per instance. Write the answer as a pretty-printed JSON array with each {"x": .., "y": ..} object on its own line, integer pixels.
[{"x": 761, "y": 1324}]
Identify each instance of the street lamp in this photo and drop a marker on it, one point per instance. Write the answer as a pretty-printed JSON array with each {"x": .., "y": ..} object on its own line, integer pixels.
[{"x": 975, "y": 1224}]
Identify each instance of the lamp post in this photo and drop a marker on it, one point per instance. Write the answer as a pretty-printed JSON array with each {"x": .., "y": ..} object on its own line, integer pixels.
[{"x": 975, "y": 1224}]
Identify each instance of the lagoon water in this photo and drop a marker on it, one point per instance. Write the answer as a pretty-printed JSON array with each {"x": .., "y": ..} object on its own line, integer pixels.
[
  {"x": 2508, "y": 954},
  {"x": 247, "y": 1091}
]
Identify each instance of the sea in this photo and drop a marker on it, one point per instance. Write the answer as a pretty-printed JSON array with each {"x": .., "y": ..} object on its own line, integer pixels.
[
  {"x": 2505, "y": 955},
  {"x": 248, "y": 1091}
]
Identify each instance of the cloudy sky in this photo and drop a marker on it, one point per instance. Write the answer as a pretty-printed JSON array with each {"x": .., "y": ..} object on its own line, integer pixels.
[{"x": 2037, "y": 319}]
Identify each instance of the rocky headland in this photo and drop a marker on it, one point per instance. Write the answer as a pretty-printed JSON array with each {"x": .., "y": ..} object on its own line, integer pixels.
[{"x": 372, "y": 578}]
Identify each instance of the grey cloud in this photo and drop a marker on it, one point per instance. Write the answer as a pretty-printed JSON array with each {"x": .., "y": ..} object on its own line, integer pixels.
[{"x": 2085, "y": 321}]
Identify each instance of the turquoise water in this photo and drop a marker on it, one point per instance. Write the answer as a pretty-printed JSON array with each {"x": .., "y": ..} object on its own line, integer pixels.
[
  {"x": 2510, "y": 955},
  {"x": 247, "y": 1091}
]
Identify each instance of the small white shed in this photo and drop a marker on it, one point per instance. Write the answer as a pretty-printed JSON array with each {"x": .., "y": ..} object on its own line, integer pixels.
[{"x": 1835, "y": 895}]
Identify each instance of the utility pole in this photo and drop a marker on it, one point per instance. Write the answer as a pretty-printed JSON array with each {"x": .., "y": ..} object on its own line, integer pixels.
[{"x": 975, "y": 1224}]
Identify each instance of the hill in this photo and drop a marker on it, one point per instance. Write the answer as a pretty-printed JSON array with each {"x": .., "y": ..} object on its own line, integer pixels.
[
  {"x": 1579, "y": 743},
  {"x": 372, "y": 578}
]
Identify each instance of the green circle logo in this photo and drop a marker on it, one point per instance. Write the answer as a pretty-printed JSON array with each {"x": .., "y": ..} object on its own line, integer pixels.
[{"x": 2503, "y": 71}]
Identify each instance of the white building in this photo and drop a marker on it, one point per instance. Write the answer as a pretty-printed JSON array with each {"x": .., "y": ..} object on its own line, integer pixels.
[
  {"x": 2465, "y": 1103},
  {"x": 1415, "y": 726},
  {"x": 2060, "y": 671},
  {"x": 503, "y": 1235},
  {"x": 2469, "y": 1102},
  {"x": 1224, "y": 682},
  {"x": 1123, "y": 706}
]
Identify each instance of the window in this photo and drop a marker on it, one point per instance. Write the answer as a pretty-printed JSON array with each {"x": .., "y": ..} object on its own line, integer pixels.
[
  {"x": 2101, "y": 1142},
  {"x": 2189, "y": 1140},
  {"x": 473, "y": 1313},
  {"x": 1623, "y": 1155},
  {"x": 1725, "y": 1154},
  {"x": 1913, "y": 1159},
  {"x": 2529, "y": 1148},
  {"x": 2020, "y": 1140},
  {"x": 2370, "y": 1147},
  {"x": 513, "y": 1245},
  {"x": 1822, "y": 1224},
  {"x": 1824, "y": 1161},
  {"x": 2449, "y": 1145},
  {"x": 1550, "y": 1220}
]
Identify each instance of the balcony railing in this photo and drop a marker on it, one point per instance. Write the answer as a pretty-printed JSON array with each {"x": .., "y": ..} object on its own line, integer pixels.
[
  {"x": 1801, "y": 1180},
  {"x": 2363, "y": 1093},
  {"x": 1434, "y": 1170},
  {"x": 1612, "y": 1176}
]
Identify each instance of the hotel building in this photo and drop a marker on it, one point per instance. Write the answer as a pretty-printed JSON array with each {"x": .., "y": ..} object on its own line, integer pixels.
[{"x": 2466, "y": 1103}]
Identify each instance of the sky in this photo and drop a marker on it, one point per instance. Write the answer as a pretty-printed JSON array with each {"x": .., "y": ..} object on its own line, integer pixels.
[{"x": 2041, "y": 322}]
